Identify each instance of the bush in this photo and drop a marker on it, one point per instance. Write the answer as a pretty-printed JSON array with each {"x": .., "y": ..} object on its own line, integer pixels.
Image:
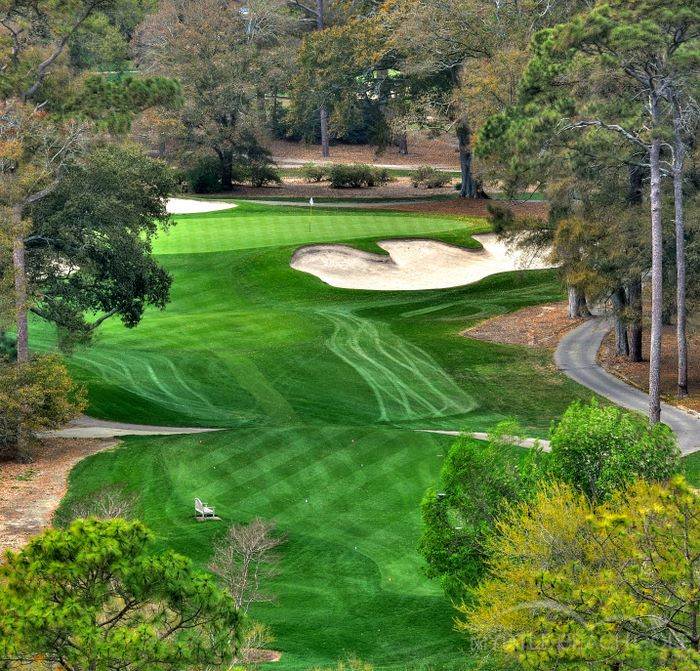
[
  {"x": 600, "y": 450},
  {"x": 204, "y": 176},
  {"x": 311, "y": 172},
  {"x": 253, "y": 163},
  {"x": 476, "y": 481},
  {"x": 574, "y": 585},
  {"x": 261, "y": 174},
  {"x": 356, "y": 176},
  {"x": 430, "y": 178},
  {"x": 106, "y": 503},
  {"x": 35, "y": 396}
]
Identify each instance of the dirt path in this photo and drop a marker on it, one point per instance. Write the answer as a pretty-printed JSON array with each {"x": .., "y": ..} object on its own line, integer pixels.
[
  {"x": 30, "y": 493},
  {"x": 536, "y": 326}
]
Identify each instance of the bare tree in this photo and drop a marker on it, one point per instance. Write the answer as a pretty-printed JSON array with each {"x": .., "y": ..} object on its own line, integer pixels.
[
  {"x": 245, "y": 558},
  {"x": 106, "y": 503}
]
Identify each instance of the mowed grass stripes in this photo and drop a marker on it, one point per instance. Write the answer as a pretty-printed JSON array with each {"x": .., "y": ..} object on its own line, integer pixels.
[{"x": 321, "y": 390}]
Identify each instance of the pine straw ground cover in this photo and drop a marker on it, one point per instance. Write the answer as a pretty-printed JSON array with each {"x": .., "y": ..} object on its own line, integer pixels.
[{"x": 321, "y": 389}]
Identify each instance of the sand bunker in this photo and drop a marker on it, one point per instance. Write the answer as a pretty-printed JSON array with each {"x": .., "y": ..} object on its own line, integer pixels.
[
  {"x": 411, "y": 264},
  {"x": 189, "y": 206}
]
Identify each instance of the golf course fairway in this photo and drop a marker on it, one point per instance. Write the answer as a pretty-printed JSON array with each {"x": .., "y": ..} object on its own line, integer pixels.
[{"x": 320, "y": 392}]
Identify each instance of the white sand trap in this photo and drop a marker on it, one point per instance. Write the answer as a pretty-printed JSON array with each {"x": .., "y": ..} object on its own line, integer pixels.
[
  {"x": 411, "y": 264},
  {"x": 189, "y": 206}
]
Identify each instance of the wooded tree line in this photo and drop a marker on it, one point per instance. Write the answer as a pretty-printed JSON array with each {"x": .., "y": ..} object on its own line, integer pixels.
[
  {"x": 593, "y": 102},
  {"x": 607, "y": 117}
]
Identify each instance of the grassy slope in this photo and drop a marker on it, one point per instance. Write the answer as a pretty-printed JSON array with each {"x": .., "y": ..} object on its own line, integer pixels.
[
  {"x": 321, "y": 387},
  {"x": 692, "y": 468},
  {"x": 347, "y": 498}
]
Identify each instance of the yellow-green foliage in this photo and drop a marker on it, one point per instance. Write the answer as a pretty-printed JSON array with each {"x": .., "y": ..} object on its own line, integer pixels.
[
  {"x": 579, "y": 587},
  {"x": 36, "y": 396}
]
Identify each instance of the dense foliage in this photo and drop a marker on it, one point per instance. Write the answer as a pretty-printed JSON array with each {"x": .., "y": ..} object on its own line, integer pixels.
[
  {"x": 430, "y": 178},
  {"x": 35, "y": 396},
  {"x": 89, "y": 248},
  {"x": 598, "y": 450},
  {"x": 476, "y": 481},
  {"x": 95, "y": 596},
  {"x": 356, "y": 176},
  {"x": 602, "y": 449},
  {"x": 578, "y": 586}
]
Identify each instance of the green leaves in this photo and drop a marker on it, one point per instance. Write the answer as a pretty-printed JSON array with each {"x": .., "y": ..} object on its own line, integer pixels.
[
  {"x": 35, "y": 396},
  {"x": 93, "y": 596},
  {"x": 476, "y": 481},
  {"x": 583, "y": 587},
  {"x": 603, "y": 449},
  {"x": 89, "y": 252}
]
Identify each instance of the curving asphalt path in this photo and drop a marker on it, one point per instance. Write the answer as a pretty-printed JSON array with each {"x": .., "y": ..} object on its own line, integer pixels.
[{"x": 577, "y": 355}]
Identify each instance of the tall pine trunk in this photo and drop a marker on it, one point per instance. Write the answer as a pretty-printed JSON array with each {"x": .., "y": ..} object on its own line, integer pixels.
[
  {"x": 325, "y": 142},
  {"x": 323, "y": 111},
  {"x": 619, "y": 301},
  {"x": 635, "y": 329},
  {"x": 656, "y": 269},
  {"x": 20, "y": 285},
  {"x": 402, "y": 143},
  {"x": 577, "y": 303},
  {"x": 681, "y": 336},
  {"x": 468, "y": 189},
  {"x": 17, "y": 450}
]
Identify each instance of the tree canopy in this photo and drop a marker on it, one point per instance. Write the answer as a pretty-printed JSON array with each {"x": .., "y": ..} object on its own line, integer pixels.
[
  {"x": 95, "y": 595},
  {"x": 612, "y": 586}
]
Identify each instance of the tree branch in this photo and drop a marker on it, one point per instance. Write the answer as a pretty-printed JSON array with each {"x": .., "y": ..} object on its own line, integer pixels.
[{"x": 46, "y": 64}]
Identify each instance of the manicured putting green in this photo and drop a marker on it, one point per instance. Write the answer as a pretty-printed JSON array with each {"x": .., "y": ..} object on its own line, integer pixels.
[
  {"x": 255, "y": 226},
  {"x": 322, "y": 389}
]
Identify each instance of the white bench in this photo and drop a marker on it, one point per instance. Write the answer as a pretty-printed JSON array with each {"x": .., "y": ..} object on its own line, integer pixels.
[{"x": 203, "y": 512}]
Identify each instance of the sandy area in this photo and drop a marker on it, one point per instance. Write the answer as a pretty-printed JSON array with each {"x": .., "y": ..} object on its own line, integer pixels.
[
  {"x": 411, "y": 264},
  {"x": 439, "y": 151},
  {"x": 30, "y": 493},
  {"x": 189, "y": 206},
  {"x": 294, "y": 187},
  {"x": 536, "y": 326}
]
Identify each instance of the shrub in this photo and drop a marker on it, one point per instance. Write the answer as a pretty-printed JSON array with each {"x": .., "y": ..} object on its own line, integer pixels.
[
  {"x": 430, "y": 178},
  {"x": 261, "y": 174},
  {"x": 600, "y": 450},
  {"x": 106, "y": 503},
  {"x": 356, "y": 176},
  {"x": 383, "y": 175},
  {"x": 311, "y": 172},
  {"x": 253, "y": 163},
  {"x": 476, "y": 481},
  {"x": 35, "y": 396},
  {"x": 204, "y": 176}
]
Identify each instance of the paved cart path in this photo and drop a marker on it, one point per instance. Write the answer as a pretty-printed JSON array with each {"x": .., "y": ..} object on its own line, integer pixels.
[{"x": 577, "y": 355}]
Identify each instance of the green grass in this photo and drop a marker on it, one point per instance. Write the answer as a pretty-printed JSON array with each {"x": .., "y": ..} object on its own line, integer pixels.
[
  {"x": 322, "y": 390},
  {"x": 348, "y": 499},
  {"x": 692, "y": 468},
  {"x": 420, "y": 197}
]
